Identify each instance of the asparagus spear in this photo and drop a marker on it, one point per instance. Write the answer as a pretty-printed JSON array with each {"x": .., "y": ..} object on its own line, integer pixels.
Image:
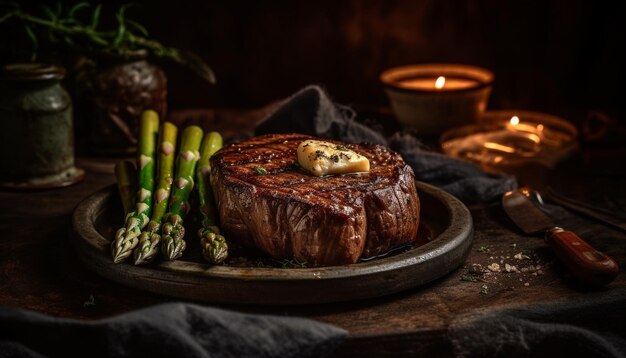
[
  {"x": 150, "y": 238},
  {"x": 127, "y": 237},
  {"x": 173, "y": 232},
  {"x": 126, "y": 175},
  {"x": 214, "y": 247}
]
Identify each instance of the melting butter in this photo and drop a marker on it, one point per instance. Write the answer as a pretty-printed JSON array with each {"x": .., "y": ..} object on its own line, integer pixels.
[{"x": 323, "y": 158}]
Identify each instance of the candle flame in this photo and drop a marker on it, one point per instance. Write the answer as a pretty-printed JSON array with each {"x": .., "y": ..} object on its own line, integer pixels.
[
  {"x": 440, "y": 82},
  {"x": 514, "y": 120}
]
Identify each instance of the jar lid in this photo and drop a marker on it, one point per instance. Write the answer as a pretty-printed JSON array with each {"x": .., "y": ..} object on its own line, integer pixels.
[{"x": 31, "y": 72}]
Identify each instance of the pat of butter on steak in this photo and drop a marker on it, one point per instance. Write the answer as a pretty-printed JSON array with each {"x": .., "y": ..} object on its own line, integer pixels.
[
  {"x": 324, "y": 158},
  {"x": 286, "y": 212}
]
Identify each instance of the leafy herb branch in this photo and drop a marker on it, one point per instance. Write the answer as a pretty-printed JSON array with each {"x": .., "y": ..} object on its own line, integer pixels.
[{"x": 79, "y": 28}]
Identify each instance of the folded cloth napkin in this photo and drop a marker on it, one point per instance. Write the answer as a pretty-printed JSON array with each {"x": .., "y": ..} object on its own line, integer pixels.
[
  {"x": 311, "y": 111},
  {"x": 592, "y": 326},
  {"x": 167, "y": 330}
]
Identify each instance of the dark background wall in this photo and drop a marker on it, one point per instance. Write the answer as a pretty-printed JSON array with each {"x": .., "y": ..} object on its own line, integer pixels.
[
  {"x": 550, "y": 55},
  {"x": 547, "y": 55}
]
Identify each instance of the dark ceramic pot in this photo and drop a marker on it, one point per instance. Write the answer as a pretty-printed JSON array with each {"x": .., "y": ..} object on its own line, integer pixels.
[
  {"x": 114, "y": 94},
  {"x": 36, "y": 136}
]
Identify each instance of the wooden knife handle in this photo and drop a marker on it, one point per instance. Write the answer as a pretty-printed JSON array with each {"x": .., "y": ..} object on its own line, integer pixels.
[{"x": 588, "y": 265}]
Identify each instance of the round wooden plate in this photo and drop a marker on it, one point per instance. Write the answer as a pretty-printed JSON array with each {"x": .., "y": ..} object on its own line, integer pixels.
[{"x": 447, "y": 219}]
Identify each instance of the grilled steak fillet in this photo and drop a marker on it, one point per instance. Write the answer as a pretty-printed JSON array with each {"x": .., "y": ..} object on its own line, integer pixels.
[{"x": 289, "y": 213}]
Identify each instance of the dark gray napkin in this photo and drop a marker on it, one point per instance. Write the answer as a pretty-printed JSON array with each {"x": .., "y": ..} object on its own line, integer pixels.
[
  {"x": 592, "y": 326},
  {"x": 310, "y": 111},
  {"x": 167, "y": 330}
]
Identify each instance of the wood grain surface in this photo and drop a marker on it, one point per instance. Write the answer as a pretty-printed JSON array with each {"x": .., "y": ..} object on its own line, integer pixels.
[{"x": 40, "y": 270}]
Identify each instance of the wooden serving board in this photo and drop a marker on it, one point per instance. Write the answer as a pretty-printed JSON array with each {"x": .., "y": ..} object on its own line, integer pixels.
[{"x": 448, "y": 221}]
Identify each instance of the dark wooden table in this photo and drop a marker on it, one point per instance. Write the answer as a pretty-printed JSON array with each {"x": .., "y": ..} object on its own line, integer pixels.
[{"x": 39, "y": 269}]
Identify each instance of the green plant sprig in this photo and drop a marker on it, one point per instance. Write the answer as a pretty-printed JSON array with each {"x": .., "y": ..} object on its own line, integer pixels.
[{"x": 65, "y": 27}]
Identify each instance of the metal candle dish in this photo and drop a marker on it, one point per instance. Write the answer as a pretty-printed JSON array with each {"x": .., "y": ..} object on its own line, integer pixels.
[{"x": 509, "y": 138}]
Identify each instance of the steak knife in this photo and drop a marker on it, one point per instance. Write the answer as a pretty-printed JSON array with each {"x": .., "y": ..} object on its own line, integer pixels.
[{"x": 586, "y": 264}]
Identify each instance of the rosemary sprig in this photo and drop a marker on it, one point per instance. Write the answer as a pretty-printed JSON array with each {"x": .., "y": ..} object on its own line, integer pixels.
[
  {"x": 260, "y": 170},
  {"x": 70, "y": 27}
]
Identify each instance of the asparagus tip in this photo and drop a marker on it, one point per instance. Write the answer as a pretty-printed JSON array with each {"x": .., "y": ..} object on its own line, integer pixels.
[
  {"x": 119, "y": 254},
  {"x": 173, "y": 248},
  {"x": 214, "y": 247},
  {"x": 122, "y": 246},
  {"x": 147, "y": 248}
]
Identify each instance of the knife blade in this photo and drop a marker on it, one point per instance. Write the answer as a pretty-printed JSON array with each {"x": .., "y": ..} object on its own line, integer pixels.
[
  {"x": 586, "y": 264},
  {"x": 585, "y": 209}
]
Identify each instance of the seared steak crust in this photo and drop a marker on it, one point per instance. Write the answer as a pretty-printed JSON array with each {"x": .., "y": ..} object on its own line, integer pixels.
[{"x": 289, "y": 213}]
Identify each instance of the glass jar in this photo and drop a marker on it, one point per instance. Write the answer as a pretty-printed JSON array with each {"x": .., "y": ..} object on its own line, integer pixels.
[{"x": 36, "y": 137}]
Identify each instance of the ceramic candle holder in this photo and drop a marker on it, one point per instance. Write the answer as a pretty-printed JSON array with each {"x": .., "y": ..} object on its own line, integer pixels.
[{"x": 432, "y": 98}]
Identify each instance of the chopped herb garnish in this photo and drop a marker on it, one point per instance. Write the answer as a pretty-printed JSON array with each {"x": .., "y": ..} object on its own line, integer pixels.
[
  {"x": 260, "y": 170},
  {"x": 91, "y": 301},
  {"x": 513, "y": 245},
  {"x": 484, "y": 249},
  {"x": 341, "y": 147},
  {"x": 476, "y": 269},
  {"x": 484, "y": 290},
  {"x": 469, "y": 278}
]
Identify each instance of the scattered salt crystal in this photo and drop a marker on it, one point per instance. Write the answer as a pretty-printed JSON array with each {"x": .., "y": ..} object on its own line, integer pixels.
[
  {"x": 521, "y": 256},
  {"x": 526, "y": 284},
  {"x": 510, "y": 268},
  {"x": 494, "y": 267}
]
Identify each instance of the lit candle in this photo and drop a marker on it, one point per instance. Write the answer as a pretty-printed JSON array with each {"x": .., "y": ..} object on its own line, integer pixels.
[
  {"x": 509, "y": 138},
  {"x": 440, "y": 83},
  {"x": 431, "y": 98},
  {"x": 533, "y": 132}
]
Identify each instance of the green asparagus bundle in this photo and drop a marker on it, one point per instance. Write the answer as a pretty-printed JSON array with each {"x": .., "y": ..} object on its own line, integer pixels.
[
  {"x": 127, "y": 237},
  {"x": 173, "y": 230},
  {"x": 214, "y": 247},
  {"x": 150, "y": 238},
  {"x": 126, "y": 175}
]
